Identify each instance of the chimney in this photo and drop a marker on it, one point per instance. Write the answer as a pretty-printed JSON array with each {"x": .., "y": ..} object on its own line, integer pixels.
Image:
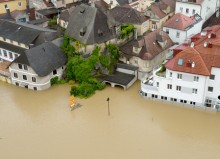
[
  {"x": 135, "y": 34},
  {"x": 205, "y": 44},
  {"x": 217, "y": 13},
  {"x": 8, "y": 11},
  {"x": 192, "y": 44}
]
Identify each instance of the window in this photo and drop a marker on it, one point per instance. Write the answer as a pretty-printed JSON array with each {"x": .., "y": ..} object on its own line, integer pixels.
[
  {"x": 177, "y": 34},
  {"x": 19, "y": 4},
  {"x": 162, "y": 97},
  {"x": 20, "y": 66},
  {"x": 154, "y": 26},
  {"x": 54, "y": 72},
  {"x": 33, "y": 79},
  {"x": 212, "y": 77},
  {"x": 174, "y": 99},
  {"x": 25, "y": 67},
  {"x": 11, "y": 41},
  {"x": 156, "y": 96},
  {"x": 194, "y": 91},
  {"x": 179, "y": 76},
  {"x": 210, "y": 89},
  {"x": 185, "y": 101},
  {"x": 178, "y": 88},
  {"x": 4, "y": 38},
  {"x": 15, "y": 75},
  {"x": 169, "y": 86},
  {"x": 181, "y": 9},
  {"x": 16, "y": 83},
  {"x": 181, "y": 101},
  {"x": 196, "y": 78},
  {"x": 5, "y": 53},
  {"x": 192, "y": 103},
  {"x": 171, "y": 99},
  {"x": 170, "y": 74},
  {"x": 10, "y": 55},
  {"x": 35, "y": 88},
  {"x": 180, "y": 62},
  {"x": 187, "y": 10},
  {"x": 24, "y": 77},
  {"x": 19, "y": 43},
  {"x": 6, "y": 6},
  {"x": 158, "y": 84},
  {"x": 193, "y": 11}
]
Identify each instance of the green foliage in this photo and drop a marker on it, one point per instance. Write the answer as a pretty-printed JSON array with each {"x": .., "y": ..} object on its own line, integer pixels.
[
  {"x": 105, "y": 61},
  {"x": 126, "y": 29},
  {"x": 55, "y": 80},
  {"x": 52, "y": 22},
  {"x": 67, "y": 47},
  {"x": 162, "y": 69}
]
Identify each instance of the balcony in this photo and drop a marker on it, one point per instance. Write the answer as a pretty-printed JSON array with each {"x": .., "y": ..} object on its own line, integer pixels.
[
  {"x": 148, "y": 85},
  {"x": 161, "y": 71}
]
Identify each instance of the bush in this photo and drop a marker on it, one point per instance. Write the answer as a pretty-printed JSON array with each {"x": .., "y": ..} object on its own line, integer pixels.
[
  {"x": 52, "y": 22},
  {"x": 55, "y": 80}
]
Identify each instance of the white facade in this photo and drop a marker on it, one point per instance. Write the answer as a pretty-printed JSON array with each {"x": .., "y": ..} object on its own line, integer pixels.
[
  {"x": 24, "y": 76},
  {"x": 7, "y": 55},
  {"x": 179, "y": 36},
  {"x": 183, "y": 87},
  {"x": 205, "y": 9}
]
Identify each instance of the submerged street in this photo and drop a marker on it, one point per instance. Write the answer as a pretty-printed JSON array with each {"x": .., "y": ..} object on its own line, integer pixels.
[{"x": 40, "y": 124}]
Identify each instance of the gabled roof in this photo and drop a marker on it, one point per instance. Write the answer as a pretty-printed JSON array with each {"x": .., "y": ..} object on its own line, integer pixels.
[
  {"x": 92, "y": 22},
  {"x": 48, "y": 11},
  {"x": 149, "y": 45},
  {"x": 182, "y": 22},
  {"x": 127, "y": 15},
  {"x": 11, "y": 47},
  {"x": 156, "y": 8},
  {"x": 23, "y": 33},
  {"x": 43, "y": 59}
]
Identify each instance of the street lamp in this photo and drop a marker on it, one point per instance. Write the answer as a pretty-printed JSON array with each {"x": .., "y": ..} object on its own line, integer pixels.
[{"x": 108, "y": 106}]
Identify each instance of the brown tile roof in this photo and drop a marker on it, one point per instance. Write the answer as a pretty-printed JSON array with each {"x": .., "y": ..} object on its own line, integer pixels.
[
  {"x": 127, "y": 15},
  {"x": 180, "y": 21},
  {"x": 149, "y": 45},
  {"x": 205, "y": 54},
  {"x": 155, "y": 8}
]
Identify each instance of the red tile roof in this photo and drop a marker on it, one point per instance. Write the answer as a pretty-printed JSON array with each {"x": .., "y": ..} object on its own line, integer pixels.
[
  {"x": 205, "y": 54},
  {"x": 179, "y": 21}
]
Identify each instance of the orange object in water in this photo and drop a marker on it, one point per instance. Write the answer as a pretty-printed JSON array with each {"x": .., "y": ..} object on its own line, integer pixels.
[{"x": 71, "y": 100}]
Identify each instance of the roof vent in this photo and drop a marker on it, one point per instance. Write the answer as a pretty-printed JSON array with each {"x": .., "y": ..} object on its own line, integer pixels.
[
  {"x": 193, "y": 64},
  {"x": 192, "y": 44},
  {"x": 82, "y": 10},
  {"x": 203, "y": 33},
  {"x": 205, "y": 44},
  {"x": 100, "y": 33},
  {"x": 83, "y": 31},
  {"x": 212, "y": 35},
  {"x": 177, "y": 20}
]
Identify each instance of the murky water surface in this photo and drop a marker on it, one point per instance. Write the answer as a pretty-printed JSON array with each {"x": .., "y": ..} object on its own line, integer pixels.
[{"x": 40, "y": 125}]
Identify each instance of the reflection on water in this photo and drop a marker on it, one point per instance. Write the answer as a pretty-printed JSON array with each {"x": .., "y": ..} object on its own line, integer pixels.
[{"x": 37, "y": 125}]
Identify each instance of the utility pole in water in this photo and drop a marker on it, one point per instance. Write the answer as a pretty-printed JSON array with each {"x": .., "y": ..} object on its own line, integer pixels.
[{"x": 108, "y": 106}]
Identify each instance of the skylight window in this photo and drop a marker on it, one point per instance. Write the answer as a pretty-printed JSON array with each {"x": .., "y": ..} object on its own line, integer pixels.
[{"x": 180, "y": 62}]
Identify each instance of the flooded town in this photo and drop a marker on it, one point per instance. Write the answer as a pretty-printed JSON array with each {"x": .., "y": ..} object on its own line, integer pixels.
[
  {"x": 40, "y": 125},
  {"x": 109, "y": 79}
]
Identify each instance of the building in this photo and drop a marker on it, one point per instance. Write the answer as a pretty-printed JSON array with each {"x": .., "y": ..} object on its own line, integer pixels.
[
  {"x": 146, "y": 52},
  {"x": 180, "y": 27},
  {"x": 63, "y": 18},
  {"x": 18, "y": 40},
  {"x": 159, "y": 13},
  {"x": 88, "y": 25},
  {"x": 12, "y": 5},
  {"x": 125, "y": 15},
  {"x": 128, "y": 3},
  {"x": 192, "y": 76},
  {"x": 204, "y": 8},
  {"x": 36, "y": 66}
]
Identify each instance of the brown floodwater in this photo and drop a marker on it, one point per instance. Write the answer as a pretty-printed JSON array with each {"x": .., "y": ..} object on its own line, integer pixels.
[{"x": 40, "y": 125}]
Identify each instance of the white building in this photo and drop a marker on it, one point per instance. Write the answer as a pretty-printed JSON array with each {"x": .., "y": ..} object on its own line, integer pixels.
[
  {"x": 191, "y": 77},
  {"x": 180, "y": 27},
  {"x": 204, "y": 8}
]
